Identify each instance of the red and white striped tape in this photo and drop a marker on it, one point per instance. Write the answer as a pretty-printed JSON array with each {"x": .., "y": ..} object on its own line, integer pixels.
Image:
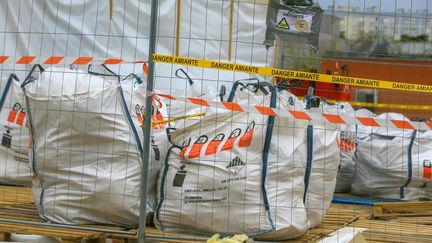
[
  {"x": 54, "y": 60},
  {"x": 311, "y": 117}
]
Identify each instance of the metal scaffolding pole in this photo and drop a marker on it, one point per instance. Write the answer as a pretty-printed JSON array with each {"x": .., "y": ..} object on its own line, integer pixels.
[{"x": 147, "y": 123}]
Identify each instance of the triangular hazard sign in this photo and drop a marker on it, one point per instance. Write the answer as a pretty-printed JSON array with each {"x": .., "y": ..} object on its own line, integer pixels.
[{"x": 283, "y": 24}]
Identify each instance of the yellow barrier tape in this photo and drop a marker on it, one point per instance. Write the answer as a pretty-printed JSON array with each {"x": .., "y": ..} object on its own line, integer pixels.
[
  {"x": 155, "y": 123},
  {"x": 285, "y": 73}
]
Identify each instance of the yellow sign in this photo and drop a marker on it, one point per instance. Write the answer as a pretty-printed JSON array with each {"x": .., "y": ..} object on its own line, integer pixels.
[
  {"x": 286, "y": 73},
  {"x": 301, "y": 25},
  {"x": 283, "y": 24}
]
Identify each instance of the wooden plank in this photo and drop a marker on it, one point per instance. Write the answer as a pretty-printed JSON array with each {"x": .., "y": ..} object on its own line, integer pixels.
[
  {"x": 66, "y": 240},
  {"x": 385, "y": 231},
  {"x": 402, "y": 209},
  {"x": 97, "y": 240},
  {"x": 119, "y": 240},
  {"x": 5, "y": 236},
  {"x": 415, "y": 220},
  {"x": 17, "y": 203}
]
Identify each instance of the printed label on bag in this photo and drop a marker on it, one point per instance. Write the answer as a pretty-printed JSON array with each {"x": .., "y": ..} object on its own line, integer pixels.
[
  {"x": 21, "y": 117},
  {"x": 214, "y": 192},
  {"x": 234, "y": 179},
  {"x": 156, "y": 116},
  {"x": 346, "y": 141},
  {"x": 139, "y": 110},
  {"x": 206, "y": 189},
  {"x": 184, "y": 148},
  {"x": 7, "y": 139},
  {"x": 197, "y": 147},
  {"x": 14, "y": 112},
  {"x": 293, "y": 22},
  {"x": 427, "y": 169},
  {"x": 246, "y": 139},
  {"x": 155, "y": 149},
  {"x": 17, "y": 115},
  {"x": 21, "y": 159},
  {"x": 214, "y": 144},
  {"x": 229, "y": 144},
  {"x": 236, "y": 165},
  {"x": 179, "y": 177},
  {"x": 205, "y": 198},
  {"x": 156, "y": 113},
  {"x": 198, "y": 199}
]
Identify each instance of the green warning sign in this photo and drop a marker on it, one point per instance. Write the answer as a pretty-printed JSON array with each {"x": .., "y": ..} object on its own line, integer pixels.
[{"x": 283, "y": 24}]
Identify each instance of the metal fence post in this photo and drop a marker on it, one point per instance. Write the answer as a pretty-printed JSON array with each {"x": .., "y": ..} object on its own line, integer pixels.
[{"x": 147, "y": 123}]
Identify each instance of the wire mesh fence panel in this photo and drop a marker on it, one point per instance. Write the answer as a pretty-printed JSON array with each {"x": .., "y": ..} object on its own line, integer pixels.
[
  {"x": 72, "y": 142},
  {"x": 276, "y": 120}
]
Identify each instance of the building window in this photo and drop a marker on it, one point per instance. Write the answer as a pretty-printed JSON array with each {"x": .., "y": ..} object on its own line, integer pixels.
[{"x": 367, "y": 96}]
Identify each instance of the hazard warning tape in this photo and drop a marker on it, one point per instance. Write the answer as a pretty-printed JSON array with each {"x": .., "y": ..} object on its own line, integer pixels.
[
  {"x": 286, "y": 73},
  {"x": 311, "y": 117},
  {"x": 276, "y": 72},
  {"x": 154, "y": 123}
]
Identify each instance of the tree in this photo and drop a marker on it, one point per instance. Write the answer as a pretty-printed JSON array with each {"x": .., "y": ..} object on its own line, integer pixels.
[
  {"x": 405, "y": 38},
  {"x": 422, "y": 38},
  {"x": 418, "y": 38}
]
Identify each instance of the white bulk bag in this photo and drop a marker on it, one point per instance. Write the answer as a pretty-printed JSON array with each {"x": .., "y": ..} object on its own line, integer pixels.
[
  {"x": 86, "y": 147},
  {"x": 14, "y": 162},
  {"x": 393, "y": 163},
  {"x": 217, "y": 177},
  {"x": 348, "y": 146}
]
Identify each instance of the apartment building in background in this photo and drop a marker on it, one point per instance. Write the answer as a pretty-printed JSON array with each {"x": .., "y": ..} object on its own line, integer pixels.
[{"x": 358, "y": 23}]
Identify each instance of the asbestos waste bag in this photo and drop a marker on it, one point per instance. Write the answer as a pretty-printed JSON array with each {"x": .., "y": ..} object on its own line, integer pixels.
[
  {"x": 229, "y": 172},
  {"x": 14, "y": 163},
  {"x": 86, "y": 146},
  {"x": 393, "y": 163},
  {"x": 348, "y": 146},
  {"x": 323, "y": 159}
]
